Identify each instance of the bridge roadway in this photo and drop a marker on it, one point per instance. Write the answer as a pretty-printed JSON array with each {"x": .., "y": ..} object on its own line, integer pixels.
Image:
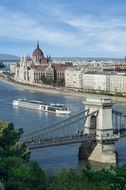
[{"x": 57, "y": 141}]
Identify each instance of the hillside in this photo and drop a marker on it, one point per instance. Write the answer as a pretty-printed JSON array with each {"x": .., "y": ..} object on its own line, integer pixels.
[{"x": 8, "y": 57}]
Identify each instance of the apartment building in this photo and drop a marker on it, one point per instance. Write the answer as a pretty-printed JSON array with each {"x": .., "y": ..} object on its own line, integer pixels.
[
  {"x": 116, "y": 83},
  {"x": 73, "y": 78},
  {"x": 98, "y": 82},
  {"x": 88, "y": 82},
  {"x": 124, "y": 84},
  {"x": 92, "y": 81}
]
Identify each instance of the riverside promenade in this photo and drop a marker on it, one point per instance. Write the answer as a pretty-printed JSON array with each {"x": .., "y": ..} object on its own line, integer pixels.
[{"x": 58, "y": 90}]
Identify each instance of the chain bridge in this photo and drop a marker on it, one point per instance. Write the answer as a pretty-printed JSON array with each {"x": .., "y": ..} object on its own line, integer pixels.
[
  {"x": 98, "y": 124},
  {"x": 67, "y": 131}
]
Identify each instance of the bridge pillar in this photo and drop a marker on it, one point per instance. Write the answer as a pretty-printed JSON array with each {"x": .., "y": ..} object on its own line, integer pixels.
[{"x": 100, "y": 125}]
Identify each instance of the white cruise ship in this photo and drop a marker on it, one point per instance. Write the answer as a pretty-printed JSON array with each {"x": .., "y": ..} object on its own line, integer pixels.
[{"x": 39, "y": 105}]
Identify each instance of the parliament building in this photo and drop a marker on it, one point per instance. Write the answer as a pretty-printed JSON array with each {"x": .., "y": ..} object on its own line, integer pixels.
[{"x": 31, "y": 70}]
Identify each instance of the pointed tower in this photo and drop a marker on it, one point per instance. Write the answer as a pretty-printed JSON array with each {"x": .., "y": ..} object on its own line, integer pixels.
[
  {"x": 37, "y": 55},
  {"x": 37, "y": 44},
  {"x": 21, "y": 59}
]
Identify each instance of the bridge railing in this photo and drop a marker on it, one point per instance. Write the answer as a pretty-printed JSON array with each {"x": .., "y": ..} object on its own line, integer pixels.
[{"x": 59, "y": 141}]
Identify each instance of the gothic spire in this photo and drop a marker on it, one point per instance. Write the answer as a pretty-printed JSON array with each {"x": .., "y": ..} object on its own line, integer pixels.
[
  {"x": 24, "y": 58},
  {"x": 21, "y": 59},
  {"x": 37, "y": 44}
]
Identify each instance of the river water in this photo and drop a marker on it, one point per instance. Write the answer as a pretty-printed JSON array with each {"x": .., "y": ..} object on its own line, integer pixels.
[{"x": 53, "y": 158}]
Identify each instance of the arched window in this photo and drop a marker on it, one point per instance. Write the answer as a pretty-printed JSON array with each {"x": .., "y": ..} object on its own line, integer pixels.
[{"x": 93, "y": 122}]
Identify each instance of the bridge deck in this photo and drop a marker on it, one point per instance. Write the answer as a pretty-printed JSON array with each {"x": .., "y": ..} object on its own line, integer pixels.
[
  {"x": 59, "y": 141},
  {"x": 47, "y": 137}
]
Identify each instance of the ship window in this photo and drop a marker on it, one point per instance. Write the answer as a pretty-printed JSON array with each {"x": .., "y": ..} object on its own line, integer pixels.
[{"x": 51, "y": 109}]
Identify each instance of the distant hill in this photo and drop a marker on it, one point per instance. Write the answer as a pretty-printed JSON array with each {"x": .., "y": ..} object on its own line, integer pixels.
[{"x": 6, "y": 57}]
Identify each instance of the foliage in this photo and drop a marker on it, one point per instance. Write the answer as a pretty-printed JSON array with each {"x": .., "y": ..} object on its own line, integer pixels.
[
  {"x": 10, "y": 144},
  {"x": 65, "y": 180},
  {"x": 87, "y": 179},
  {"x": 7, "y": 165},
  {"x": 16, "y": 171},
  {"x": 111, "y": 179},
  {"x": 2, "y": 65},
  {"x": 103, "y": 92},
  {"x": 29, "y": 176},
  {"x": 119, "y": 94},
  {"x": 47, "y": 80},
  {"x": 50, "y": 81},
  {"x": 61, "y": 82}
]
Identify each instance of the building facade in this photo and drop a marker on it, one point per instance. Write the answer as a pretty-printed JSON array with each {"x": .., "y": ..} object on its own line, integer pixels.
[
  {"x": 124, "y": 84},
  {"x": 13, "y": 68},
  {"x": 116, "y": 83},
  {"x": 59, "y": 70},
  {"x": 32, "y": 70},
  {"x": 94, "y": 81},
  {"x": 73, "y": 78}
]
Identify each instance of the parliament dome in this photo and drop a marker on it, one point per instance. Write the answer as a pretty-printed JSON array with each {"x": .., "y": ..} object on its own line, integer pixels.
[{"x": 37, "y": 54}]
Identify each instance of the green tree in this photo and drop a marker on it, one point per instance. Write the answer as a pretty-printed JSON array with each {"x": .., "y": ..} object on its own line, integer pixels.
[
  {"x": 105, "y": 179},
  {"x": 10, "y": 144},
  {"x": 61, "y": 82},
  {"x": 2, "y": 65},
  {"x": 7, "y": 165},
  {"x": 27, "y": 177},
  {"x": 66, "y": 180},
  {"x": 46, "y": 80},
  {"x": 17, "y": 172}
]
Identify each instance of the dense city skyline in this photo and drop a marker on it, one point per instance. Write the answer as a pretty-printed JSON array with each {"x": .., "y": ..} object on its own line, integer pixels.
[{"x": 92, "y": 28}]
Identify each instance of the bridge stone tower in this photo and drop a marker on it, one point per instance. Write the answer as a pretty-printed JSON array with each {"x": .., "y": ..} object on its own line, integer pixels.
[{"x": 99, "y": 124}]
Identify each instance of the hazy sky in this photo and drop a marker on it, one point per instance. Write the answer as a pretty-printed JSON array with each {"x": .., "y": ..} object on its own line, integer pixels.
[{"x": 86, "y": 28}]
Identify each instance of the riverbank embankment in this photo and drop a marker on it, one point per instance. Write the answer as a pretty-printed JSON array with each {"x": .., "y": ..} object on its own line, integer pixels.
[{"x": 59, "y": 90}]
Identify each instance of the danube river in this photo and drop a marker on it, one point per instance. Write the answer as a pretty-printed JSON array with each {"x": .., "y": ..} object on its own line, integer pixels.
[{"x": 52, "y": 158}]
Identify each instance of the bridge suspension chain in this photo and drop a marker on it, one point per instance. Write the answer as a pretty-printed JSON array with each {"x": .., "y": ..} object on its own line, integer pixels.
[{"x": 57, "y": 127}]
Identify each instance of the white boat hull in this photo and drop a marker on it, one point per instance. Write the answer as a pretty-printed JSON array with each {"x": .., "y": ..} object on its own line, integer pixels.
[{"x": 37, "y": 105}]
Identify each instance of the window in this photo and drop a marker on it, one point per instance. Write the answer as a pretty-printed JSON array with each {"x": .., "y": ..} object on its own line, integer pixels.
[{"x": 93, "y": 122}]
